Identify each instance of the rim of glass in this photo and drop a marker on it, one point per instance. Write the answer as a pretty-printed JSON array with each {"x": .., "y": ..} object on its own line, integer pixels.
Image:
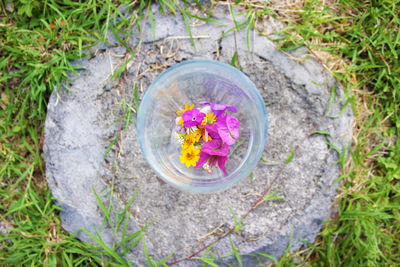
[{"x": 212, "y": 187}]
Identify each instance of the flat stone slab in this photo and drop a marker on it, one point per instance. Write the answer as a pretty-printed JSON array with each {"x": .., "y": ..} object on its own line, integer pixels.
[{"x": 87, "y": 148}]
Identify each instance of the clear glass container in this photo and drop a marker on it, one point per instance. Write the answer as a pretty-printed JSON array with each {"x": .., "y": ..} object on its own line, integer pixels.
[{"x": 191, "y": 82}]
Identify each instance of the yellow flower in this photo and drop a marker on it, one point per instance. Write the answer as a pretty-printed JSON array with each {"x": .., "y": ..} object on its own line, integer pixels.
[
  {"x": 180, "y": 112},
  {"x": 209, "y": 118},
  {"x": 201, "y": 133},
  {"x": 187, "y": 107},
  {"x": 190, "y": 156},
  {"x": 189, "y": 141}
]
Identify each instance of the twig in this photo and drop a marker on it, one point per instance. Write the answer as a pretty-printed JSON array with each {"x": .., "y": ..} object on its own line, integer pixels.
[
  {"x": 212, "y": 232},
  {"x": 234, "y": 227},
  {"x": 253, "y": 207},
  {"x": 261, "y": 198}
]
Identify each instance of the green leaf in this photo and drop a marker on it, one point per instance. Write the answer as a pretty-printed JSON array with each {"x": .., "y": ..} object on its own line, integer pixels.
[
  {"x": 290, "y": 156},
  {"x": 121, "y": 69},
  {"x": 272, "y": 196},
  {"x": 103, "y": 208},
  {"x": 151, "y": 18},
  {"x": 16, "y": 129},
  {"x": 135, "y": 94},
  {"x": 341, "y": 110},
  {"x": 209, "y": 261},
  {"x": 331, "y": 99},
  {"x": 124, "y": 214},
  {"x": 234, "y": 60},
  {"x": 122, "y": 42},
  {"x": 187, "y": 25},
  {"x": 237, "y": 256},
  {"x": 108, "y": 250},
  {"x": 108, "y": 149},
  {"x": 149, "y": 261},
  {"x": 275, "y": 260},
  {"x": 238, "y": 224},
  {"x": 269, "y": 163},
  {"x": 321, "y": 132}
]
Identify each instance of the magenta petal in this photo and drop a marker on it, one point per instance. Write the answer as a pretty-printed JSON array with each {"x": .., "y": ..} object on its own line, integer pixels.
[
  {"x": 219, "y": 109},
  {"x": 233, "y": 126},
  {"x": 192, "y": 117},
  {"x": 215, "y": 147},
  {"x": 211, "y": 145},
  {"x": 212, "y": 162},
  {"x": 231, "y": 108},
  {"x": 224, "y": 131},
  {"x": 223, "y": 107},
  {"x": 215, "y": 107},
  {"x": 221, "y": 164},
  {"x": 212, "y": 130},
  {"x": 203, "y": 159}
]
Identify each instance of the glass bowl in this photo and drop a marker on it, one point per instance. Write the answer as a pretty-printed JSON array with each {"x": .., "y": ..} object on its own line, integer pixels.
[{"x": 191, "y": 82}]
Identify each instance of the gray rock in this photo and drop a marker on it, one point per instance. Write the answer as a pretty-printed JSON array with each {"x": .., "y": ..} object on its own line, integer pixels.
[{"x": 83, "y": 121}]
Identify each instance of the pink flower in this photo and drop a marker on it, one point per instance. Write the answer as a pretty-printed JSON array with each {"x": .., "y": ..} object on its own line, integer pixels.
[
  {"x": 192, "y": 117},
  {"x": 212, "y": 130},
  {"x": 213, "y": 153},
  {"x": 228, "y": 129}
]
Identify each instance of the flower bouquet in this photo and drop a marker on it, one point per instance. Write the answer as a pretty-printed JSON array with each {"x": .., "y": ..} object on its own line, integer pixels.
[
  {"x": 206, "y": 134},
  {"x": 197, "y": 147}
]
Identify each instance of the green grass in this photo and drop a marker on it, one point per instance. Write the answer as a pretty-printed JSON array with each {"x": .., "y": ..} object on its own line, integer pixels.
[
  {"x": 366, "y": 230},
  {"x": 38, "y": 41},
  {"x": 358, "y": 41}
]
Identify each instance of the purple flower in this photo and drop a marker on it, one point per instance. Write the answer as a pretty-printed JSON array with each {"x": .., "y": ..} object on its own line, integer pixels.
[
  {"x": 218, "y": 109},
  {"x": 213, "y": 153},
  {"x": 192, "y": 117},
  {"x": 215, "y": 147},
  {"x": 228, "y": 129},
  {"x": 212, "y": 130}
]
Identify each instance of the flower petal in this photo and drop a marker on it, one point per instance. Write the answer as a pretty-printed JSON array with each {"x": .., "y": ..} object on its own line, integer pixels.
[
  {"x": 219, "y": 109},
  {"x": 192, "y": 117},
  {"x": 221, "y": 164},
  {"x": 215, "y": 147},
  {"x": 228, "y": 129},
  {"x": 233, "y": 126},
  {"x": 212, "y": 130},
  {"x": 203, "y": 159},
  {"x": 203, "y": 102}
]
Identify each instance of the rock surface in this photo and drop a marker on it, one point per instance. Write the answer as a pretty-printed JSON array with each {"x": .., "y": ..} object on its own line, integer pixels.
[{"x": 82, "y": 158}]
